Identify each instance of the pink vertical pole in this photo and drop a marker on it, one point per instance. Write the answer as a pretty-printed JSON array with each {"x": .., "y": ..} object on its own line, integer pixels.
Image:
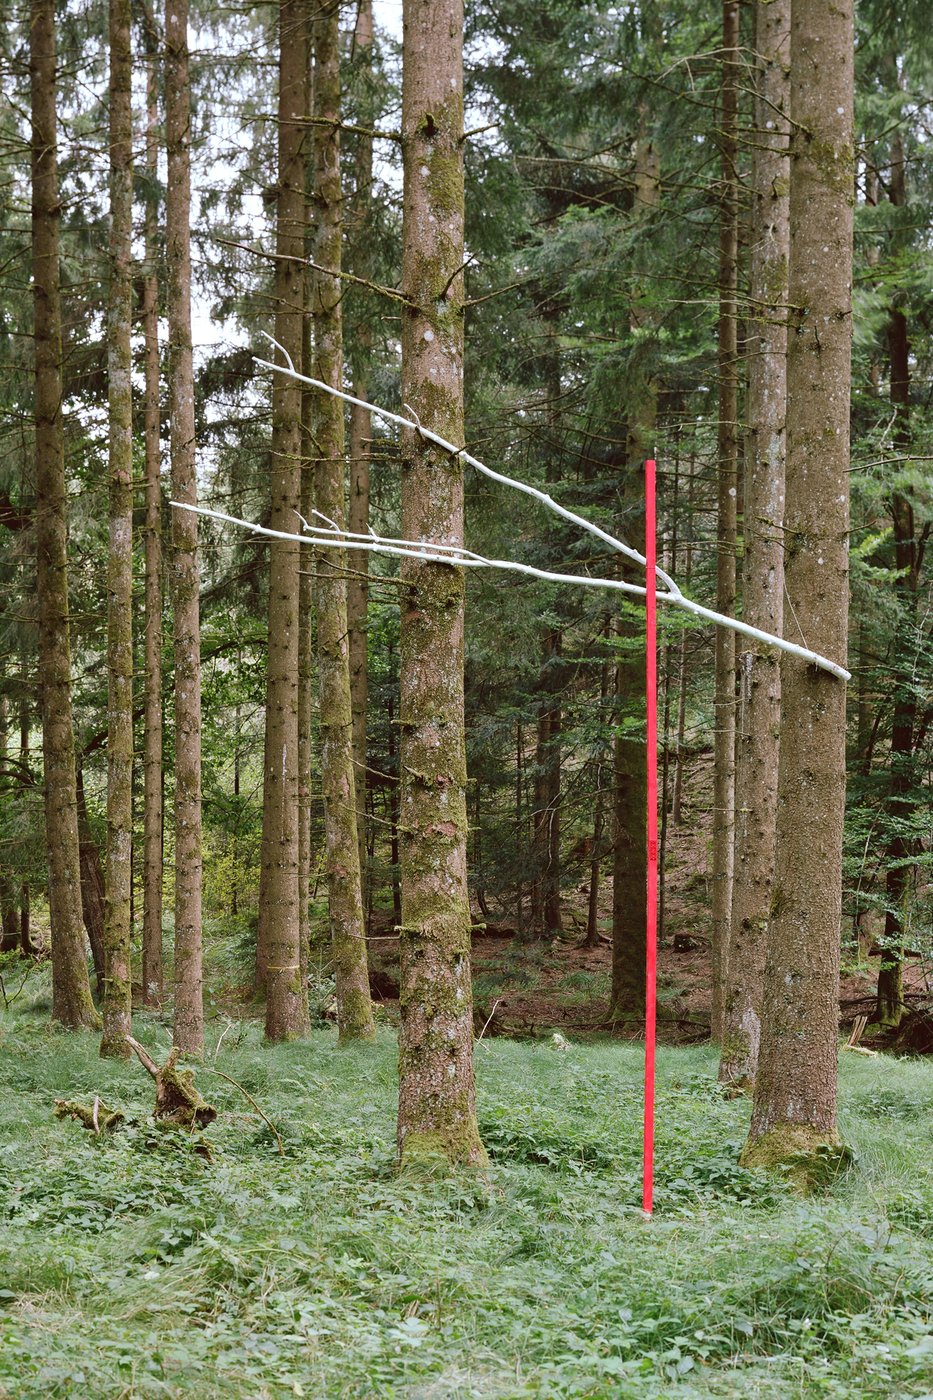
[{"x": 651, "y": 910}]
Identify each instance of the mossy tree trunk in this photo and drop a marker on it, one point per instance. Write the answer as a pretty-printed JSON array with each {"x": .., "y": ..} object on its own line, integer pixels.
[
  {"x": 759, "y": 719},
  {"x": 71, "y": 990},
  {"x": 152, "y": 973},
  {"x": 794, "y": 1113},
  {"x": 117, "y": 1000},
  {"x": 345, "y": 898},
  {"x": 437, "y": 1100},
  {"x": 727, "y": 493},
  {"x": 189, "y": 1004},
  {"x": 279, "y": 896}
]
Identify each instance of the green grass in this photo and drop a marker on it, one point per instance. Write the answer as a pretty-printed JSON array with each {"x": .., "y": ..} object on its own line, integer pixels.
[{"x": 130, "y": 1267}]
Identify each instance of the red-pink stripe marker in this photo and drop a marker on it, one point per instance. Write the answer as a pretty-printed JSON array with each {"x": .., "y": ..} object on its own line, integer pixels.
[{"x": 651, "y": 908}]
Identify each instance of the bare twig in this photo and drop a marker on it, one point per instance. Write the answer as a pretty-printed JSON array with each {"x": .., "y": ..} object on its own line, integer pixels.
[{"x": 212, "y": 1069}]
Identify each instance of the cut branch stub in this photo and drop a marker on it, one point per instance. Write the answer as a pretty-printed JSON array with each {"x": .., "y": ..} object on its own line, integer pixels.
[{"x": 177, "y": 1099}]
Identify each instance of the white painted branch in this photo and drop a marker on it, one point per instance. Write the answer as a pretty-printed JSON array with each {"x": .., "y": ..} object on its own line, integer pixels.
[
  {"x": 481, "y": 467},
  {"x": 430, "y": 552},
  {"x": 424, "y": 553}
]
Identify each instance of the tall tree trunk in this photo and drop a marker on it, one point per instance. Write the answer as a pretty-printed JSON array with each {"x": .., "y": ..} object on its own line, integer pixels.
[
  {"x": 189, "y": 1002},
  {"x": 437, "y": 1097},
  {"x": 361, "y": 431},
  {"x": 724, "y": 705},
  {"x": 93, "y": 894},
  {"x": 9, "y": 917},
  {"x": 545, "y": 889},
  {"x": 279, "y": 895},
  {"x": 630, "y": 771},
  {"x": 902, "y": 849},
  {"x": 71, "y": 989},
  {"x": 678, "y": 784},
  {"x": 152, "y": 973},
  {"x": 345, "y": 900},
  {"x": 763, "y": 581},
  {"x": 794, "y": 1112},
  {"x": 306, "y": 626},
  {"x": 117, "y": 1001}
]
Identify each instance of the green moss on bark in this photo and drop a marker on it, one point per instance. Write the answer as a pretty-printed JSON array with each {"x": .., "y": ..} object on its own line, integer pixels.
[{"x": 809, "y": 1158}]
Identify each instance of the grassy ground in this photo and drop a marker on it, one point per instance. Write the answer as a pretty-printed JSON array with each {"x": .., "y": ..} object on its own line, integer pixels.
[{"x": 130, "y": 1266}]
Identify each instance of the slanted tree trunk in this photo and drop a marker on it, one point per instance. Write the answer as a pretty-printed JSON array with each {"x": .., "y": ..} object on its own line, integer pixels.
[
  {"x": 71, "y": 989},
  {"x": 724, "y": 701},
  {"x": 279, "y": 922},
  {"x": 189, "y": 1003},
  {"x": 152, "y": 735},
  {"x": 794, "y": 1114},
  {"x": 437, "y": 1101},
  {"x": 338, "y": 781},
  {"x": 117, "y": 1000},
  {"x": 361, "y": 431},
  {"x": 758, "y": 744}
]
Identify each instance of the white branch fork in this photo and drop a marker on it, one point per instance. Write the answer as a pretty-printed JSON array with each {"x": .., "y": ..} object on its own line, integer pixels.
[{"x": 426, "y": 551}]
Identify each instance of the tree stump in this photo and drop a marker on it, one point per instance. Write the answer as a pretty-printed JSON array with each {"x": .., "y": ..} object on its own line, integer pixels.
[{"x": 177, "y": 1099}]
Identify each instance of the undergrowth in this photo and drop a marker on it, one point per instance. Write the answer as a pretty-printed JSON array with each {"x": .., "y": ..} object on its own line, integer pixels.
[{"x": 130, "y": 1266}]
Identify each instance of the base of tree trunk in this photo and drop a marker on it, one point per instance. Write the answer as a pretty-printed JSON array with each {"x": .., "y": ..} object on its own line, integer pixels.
[
  {"x": 434, "y": 1153},
  {"x": 808, "y": 1158}
]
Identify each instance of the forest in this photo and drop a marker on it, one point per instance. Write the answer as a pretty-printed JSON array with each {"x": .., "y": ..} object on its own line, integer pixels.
[{"x": 357, "y": 833}]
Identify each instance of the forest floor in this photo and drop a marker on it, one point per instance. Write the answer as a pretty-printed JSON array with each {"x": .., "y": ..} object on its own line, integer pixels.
[{"x": 296, "y": 1263}]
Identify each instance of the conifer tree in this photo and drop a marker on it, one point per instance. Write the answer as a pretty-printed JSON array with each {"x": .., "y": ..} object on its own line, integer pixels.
[
  {"x": 794, "y": 1114},
  {"x": 152, "y": 974},
  {"x": 189, "y": 1003},
  {"x": 279, "y": 948},
  {"x": 117, "y": 978},
  {"x": 71, "y": 991},
  {"x": 437, "y": 1110},
  {"x": 348, "y": 938},
  {"x": 759, "y": 715}
]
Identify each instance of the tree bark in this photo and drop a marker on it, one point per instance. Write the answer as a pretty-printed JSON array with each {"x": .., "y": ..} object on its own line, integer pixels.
[
  {"x": 794, "y": 1113},
  {"x": 279, "y": 895},
  {"x": 630, "y": 771},
  {"x": 71, "y": 990},
  {"x": 437, "y": 1096},
  {"x": 347, "y": 919},
  {"x": 902, "y": 849},
  {"x": 724, "y": 700},
  {"x": 189, "y": 1004},
  {"x": 117, "y": 1000},
  {"x": 758, "y": 744},
  {"x": 93, "y": 894},
  {"x": 9, "y": 916},
  {"x": 152, "y": 973},
  {"x": 545, "y": 889},
  {"x": 361, "y": 431}
]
